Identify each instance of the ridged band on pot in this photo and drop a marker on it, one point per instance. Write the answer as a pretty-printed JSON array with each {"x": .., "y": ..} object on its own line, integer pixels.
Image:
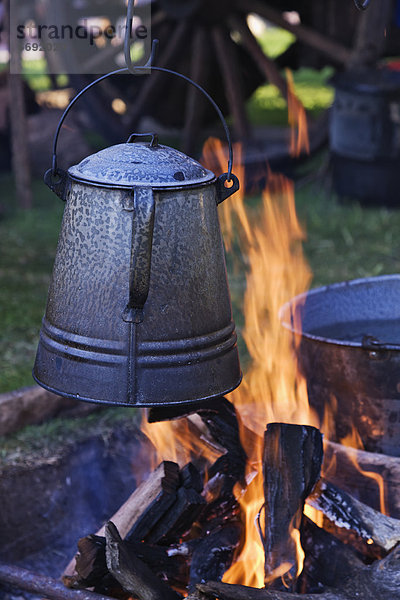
[{"x": 357, "y": 381}]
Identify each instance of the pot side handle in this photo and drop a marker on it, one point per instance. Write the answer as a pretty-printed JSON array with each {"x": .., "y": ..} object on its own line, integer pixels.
[{"x": 142, "y": 244}]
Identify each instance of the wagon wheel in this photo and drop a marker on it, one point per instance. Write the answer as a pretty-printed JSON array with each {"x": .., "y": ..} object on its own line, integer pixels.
[{"x": 210, "y": 41}]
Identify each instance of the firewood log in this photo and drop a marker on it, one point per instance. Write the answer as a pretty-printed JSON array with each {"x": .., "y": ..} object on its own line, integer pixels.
[
  {"x": 134, "y": 576},
  {"x": 169, "y": 563},
  {"x": 292, "y": 461},
  {"x": 381, "y": 581},
  {"x": 213, "y": 553},
  {"x": 147, "y": 504},
  {"x": 226, "y": 591},
  {"x": 327, "y": 559},
  {"x": 347, "y": 513},
  {"x": 354, "y": 479}
]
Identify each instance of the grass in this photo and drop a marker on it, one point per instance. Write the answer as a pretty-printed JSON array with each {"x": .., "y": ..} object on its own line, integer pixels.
[
  {"x": 268, "y": 107},
  {"x": 50, "y": 439},
  {"x": 27, "y": 246},
  {"x": 346, "y": 241}
]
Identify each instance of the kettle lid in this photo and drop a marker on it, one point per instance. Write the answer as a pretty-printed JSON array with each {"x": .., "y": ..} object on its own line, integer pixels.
[{"x": 141, "y": 164}]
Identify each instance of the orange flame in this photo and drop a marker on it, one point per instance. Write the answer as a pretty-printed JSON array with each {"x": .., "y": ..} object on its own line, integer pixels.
[
  {"x": 273, "y": 389},
  {"x": 353, "y": 440},
  {"x": 179, "y": 441},
  {"x": 270, "y": 239},
  {"x": 299, "y": 141}
]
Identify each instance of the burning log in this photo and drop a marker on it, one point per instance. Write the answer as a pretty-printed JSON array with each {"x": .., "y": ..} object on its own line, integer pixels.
[
  {"x": 327, "y": 559},
  {"x": 217, "y": 423},
  {"x": 291, "y": 463},
  {"x": 213, "y": 554},
  {"x": 176, "y": 521},
  {"x": 380, "y": 580},
  {"x": 178, "y": 511},
  {"x": 135, "y": 577},
  {"x": 347, "y": 513},
  {"x": 358, "y": 471},
  {"x": 222, "y": 422},
  {"x": 149, "y": 502},
  {"x": 227, "y": 591}
]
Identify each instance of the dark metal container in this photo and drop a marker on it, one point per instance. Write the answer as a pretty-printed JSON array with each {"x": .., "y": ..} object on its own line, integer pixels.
[
  {"x": 138, "y": 310},
  {"x": 349, "y": 352},
  {"x": 365, "y": 135}
]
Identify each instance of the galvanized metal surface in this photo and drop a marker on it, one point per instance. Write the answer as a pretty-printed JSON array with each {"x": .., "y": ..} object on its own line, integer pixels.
[
  {"x": 356, "y": 385},
  {"x": 180, "y": 344}
]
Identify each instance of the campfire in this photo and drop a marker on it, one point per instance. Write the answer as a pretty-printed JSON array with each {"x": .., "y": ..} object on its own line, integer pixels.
[
  {"x": 253, "y": 495},
  {"x": 245, "y": 500}
]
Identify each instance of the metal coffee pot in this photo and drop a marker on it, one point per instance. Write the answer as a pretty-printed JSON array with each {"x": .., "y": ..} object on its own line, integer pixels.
[{"x": 138, "y": 310}]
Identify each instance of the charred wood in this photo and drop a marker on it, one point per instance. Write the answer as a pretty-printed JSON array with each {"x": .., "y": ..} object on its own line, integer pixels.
[
  {"x": 90, "y": 564},
  {"x": 134, "y": 576},
  {"x": 349, "y": 469},
  {"x": 349, "y": 514},
  {"x": 327, "y": 559},
  {"x": 145, "y": 505},
  {"x": 222, "y": 422},
  {"x": 221, "y": 425},
  {"x": 292, "y": 461},
  {"x": 381, "y": 580},
  {"x": 149, "y": 502},
  {"x": 177, "y": 520},
  {"x": 227, "y": 591},
  {"x": 170, "y": 564},
  {"x": 213, "y": 554}
]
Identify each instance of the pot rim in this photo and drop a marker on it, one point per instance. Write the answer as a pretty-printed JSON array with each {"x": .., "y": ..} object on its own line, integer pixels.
[{"x": 287, "y": 310}]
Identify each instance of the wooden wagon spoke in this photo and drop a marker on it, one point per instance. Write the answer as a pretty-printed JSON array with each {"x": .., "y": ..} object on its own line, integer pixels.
[
  {"x": 230, "y": 75},
  {"x": 147, "y": 96},
  {"x": 266, "y": 65},
  {"x": 195, "y": 103},
  {"x": 323, "y": 44}
]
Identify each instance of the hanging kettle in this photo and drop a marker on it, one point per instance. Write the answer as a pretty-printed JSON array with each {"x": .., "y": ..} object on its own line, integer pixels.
[{"x": 138, "y": 309}]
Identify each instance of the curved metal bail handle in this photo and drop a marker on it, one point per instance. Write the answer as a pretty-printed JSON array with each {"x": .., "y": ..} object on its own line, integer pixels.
[{"x": 54, "y": 168}]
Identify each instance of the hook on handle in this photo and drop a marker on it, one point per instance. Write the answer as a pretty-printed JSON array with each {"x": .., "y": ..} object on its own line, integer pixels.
[
  {"x": 362, "y": 4},
  {"x": 127, "y": 42}
]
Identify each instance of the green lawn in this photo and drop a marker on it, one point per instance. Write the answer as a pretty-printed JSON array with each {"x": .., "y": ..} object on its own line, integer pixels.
[{"x": 27, "y": 246}]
